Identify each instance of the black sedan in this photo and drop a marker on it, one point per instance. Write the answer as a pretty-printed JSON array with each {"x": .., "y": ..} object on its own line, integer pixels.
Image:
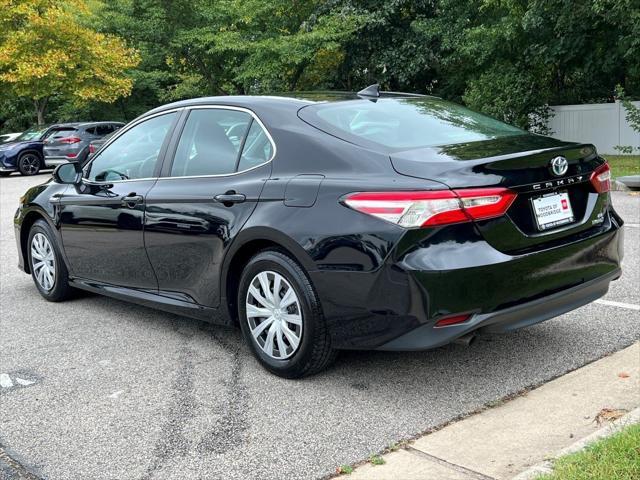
[{"x": 329, "y": 221}]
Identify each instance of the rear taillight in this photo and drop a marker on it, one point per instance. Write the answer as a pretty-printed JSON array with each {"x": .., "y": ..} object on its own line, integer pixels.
[
  {"x": 433, "y": 207},
  {"x": 71, "y": 155},
  {"x": 601, "y": 178},
  {"x": 70, "y": 140},
  {"x": 92, "y": 148},
  {"x": 453, "y": 320}
]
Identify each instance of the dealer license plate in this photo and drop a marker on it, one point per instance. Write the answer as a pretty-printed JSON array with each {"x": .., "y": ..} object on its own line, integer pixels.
[{"x": 552, "y": 210}]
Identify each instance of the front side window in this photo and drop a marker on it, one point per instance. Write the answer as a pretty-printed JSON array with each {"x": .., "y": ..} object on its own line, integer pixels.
[
  {"x": 210, "y": 142},
  {"x": 134, "y": 154}
]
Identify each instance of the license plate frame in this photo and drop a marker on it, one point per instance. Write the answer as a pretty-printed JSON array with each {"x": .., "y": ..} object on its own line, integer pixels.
[{"x": 552, "y": 206}]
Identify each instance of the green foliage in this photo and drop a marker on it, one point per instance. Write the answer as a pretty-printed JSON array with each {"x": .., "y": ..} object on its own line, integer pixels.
[
  {"x": 507, "y": 58},
  {"x": 46, "y": 50},
  {"x": 616, "y": 457},
  {"x": 632, "y": 115}
]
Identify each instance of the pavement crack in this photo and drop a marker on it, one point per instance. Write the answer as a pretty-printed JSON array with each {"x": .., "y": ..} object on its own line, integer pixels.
[
  {"x": 13, "y": 469},
  {"x": 453, "y": 466},
  {"x": 173, "y": 441},
  {"x": 230, "y": 428}
]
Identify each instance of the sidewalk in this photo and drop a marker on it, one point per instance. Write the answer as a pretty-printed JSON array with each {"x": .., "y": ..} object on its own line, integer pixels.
[{"x": 503, "y": 441}]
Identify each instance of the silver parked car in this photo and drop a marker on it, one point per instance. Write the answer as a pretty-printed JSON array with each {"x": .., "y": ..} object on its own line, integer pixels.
[
  {"x": 70, "y": 141},
  {"x": 9, "y": 137}
]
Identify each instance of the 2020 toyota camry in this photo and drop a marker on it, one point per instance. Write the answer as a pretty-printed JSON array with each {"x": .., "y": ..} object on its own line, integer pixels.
[{"x": 329, "y": 221}]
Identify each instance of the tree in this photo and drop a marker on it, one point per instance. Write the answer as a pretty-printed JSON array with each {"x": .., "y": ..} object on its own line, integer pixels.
[{"x": 47, "y": 50}]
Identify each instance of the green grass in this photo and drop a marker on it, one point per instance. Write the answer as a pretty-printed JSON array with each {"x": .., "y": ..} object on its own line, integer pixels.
[
  {"x": 614, "y": 458},
  {"x": 622, "y": 165}
]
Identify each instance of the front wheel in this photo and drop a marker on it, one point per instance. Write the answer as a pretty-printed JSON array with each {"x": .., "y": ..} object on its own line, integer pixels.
[
  {"x": 29, "y": 164},
  {"x": 281, "y": 317},
  {"x": 48, "y": 270}
]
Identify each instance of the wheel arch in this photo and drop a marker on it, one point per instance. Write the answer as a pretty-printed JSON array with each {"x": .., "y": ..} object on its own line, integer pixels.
[
  {"x": 31, "y": 217},
  {"x": 248, "y": 244},
  {"x": 34, "y": 151}
]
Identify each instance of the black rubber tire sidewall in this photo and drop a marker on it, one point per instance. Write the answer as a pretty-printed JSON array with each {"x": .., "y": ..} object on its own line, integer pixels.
[
  {"x": 20, "y": 168},
  {"x": 303, "y": 361},
  {"x": 61, "y": 290}
]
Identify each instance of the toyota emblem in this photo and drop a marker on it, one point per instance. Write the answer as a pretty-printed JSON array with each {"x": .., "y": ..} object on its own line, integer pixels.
[{"x": 559, "y": 166}]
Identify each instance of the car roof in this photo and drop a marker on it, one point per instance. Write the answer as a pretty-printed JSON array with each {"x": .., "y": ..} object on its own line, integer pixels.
[
  {"x": 292, "y": 100},
  {"x": 83, "y": 124}
]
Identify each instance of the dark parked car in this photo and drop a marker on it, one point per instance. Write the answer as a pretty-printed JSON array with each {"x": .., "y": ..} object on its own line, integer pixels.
[
  {"x": 70, "y": 141},
  {"x": 327, "y": 222},
  {"x": 24, "y": 153}
]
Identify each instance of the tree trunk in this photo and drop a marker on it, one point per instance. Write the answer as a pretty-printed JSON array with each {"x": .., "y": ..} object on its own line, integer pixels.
[{"x": 41, "y": 107}]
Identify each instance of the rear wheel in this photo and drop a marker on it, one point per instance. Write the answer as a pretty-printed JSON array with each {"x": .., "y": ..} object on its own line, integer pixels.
[
  {"x": 29, "y": 164},
  {"x": 281, "y": 318},
  {"x": 48, "y": 270}
]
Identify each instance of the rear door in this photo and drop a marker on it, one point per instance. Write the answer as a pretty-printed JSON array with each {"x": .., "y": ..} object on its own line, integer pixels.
[{"x": 221, "y": 161}]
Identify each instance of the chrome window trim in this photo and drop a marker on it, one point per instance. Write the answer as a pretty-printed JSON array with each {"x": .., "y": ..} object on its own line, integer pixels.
[
  {"x": 240, "y": 109},
  {"x": 121, "y": 131}
]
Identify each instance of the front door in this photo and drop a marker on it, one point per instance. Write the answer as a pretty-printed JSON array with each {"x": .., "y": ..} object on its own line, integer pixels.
[
  {"x": 208, "y": 192},
  {"x": 101, "y": 221}
]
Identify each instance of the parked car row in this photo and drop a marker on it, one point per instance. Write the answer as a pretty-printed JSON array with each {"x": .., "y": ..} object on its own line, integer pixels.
[{"x": 43, "y": 147}]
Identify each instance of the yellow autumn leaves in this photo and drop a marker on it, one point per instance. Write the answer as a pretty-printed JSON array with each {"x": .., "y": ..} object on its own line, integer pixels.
[{"x": 48, "y": 48}]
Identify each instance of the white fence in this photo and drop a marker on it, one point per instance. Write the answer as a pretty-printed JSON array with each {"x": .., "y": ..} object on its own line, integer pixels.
[{"x": 602, "y": 124}]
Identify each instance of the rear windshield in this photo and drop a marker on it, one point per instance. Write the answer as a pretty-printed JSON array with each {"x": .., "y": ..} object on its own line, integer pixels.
[
  {"x": 405, "y": 123},
  {"x": 60, "y": 132}
]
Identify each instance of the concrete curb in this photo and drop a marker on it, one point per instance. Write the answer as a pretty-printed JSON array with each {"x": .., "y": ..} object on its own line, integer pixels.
[
  {"x": 617, "y": 186},
  {"x": 546, "y": 467}
]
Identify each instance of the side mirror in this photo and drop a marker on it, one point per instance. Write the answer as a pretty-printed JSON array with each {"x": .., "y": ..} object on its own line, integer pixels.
[{"x": 68, "y": 173}]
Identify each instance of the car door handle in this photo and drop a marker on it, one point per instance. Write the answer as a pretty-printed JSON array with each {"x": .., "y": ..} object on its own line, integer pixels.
[
  {"x": 230, "y": 198},
  {"x": 131, "y": 200}
]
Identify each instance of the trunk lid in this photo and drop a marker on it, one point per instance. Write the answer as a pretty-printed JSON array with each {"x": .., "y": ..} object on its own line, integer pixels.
[{"x": 521, "y": 163}]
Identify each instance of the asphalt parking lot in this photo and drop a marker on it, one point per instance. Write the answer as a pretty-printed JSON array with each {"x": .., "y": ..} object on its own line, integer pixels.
[{"x": 104, "y": 389}]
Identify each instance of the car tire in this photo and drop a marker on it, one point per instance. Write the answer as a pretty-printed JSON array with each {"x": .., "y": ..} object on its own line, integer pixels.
[
  {"x": 312, "y": 352},
  {"x": 55, "y": 287},
  {"x": 29, "y": 164}
]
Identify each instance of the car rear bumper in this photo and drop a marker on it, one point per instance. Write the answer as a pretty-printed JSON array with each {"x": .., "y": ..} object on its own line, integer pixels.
[
  {"x": 55, "y": 161},
  {"x": 457, "y": 272},
  {"x": 506, "y": 320}
]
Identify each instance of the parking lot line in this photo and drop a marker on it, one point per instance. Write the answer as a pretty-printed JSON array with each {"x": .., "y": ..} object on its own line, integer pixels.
[{"x": 629, "y": 306}]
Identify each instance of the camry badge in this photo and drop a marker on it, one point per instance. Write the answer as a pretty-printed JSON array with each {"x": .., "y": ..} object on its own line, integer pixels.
[{"x": 559, "y": 166}]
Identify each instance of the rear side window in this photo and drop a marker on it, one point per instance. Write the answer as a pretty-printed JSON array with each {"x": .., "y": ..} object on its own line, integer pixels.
[
  {"x": 102, "y": 130},
  {"x": 404, "y": 123},
  {"x": 210, "y": 142},
  {"x": 257, "y": 148}
]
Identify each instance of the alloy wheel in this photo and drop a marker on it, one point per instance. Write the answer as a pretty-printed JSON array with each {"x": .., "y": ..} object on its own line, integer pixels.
[
  {"x": 274, "y": 315},
  {"x": 30, "y": 164},
  {"x": 43, "y": 261}
]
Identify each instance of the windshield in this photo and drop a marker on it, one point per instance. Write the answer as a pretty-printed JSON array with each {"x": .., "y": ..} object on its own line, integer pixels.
[
  {"x": 31, "y": 134},
  {"x": 405, "y": 123}
]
